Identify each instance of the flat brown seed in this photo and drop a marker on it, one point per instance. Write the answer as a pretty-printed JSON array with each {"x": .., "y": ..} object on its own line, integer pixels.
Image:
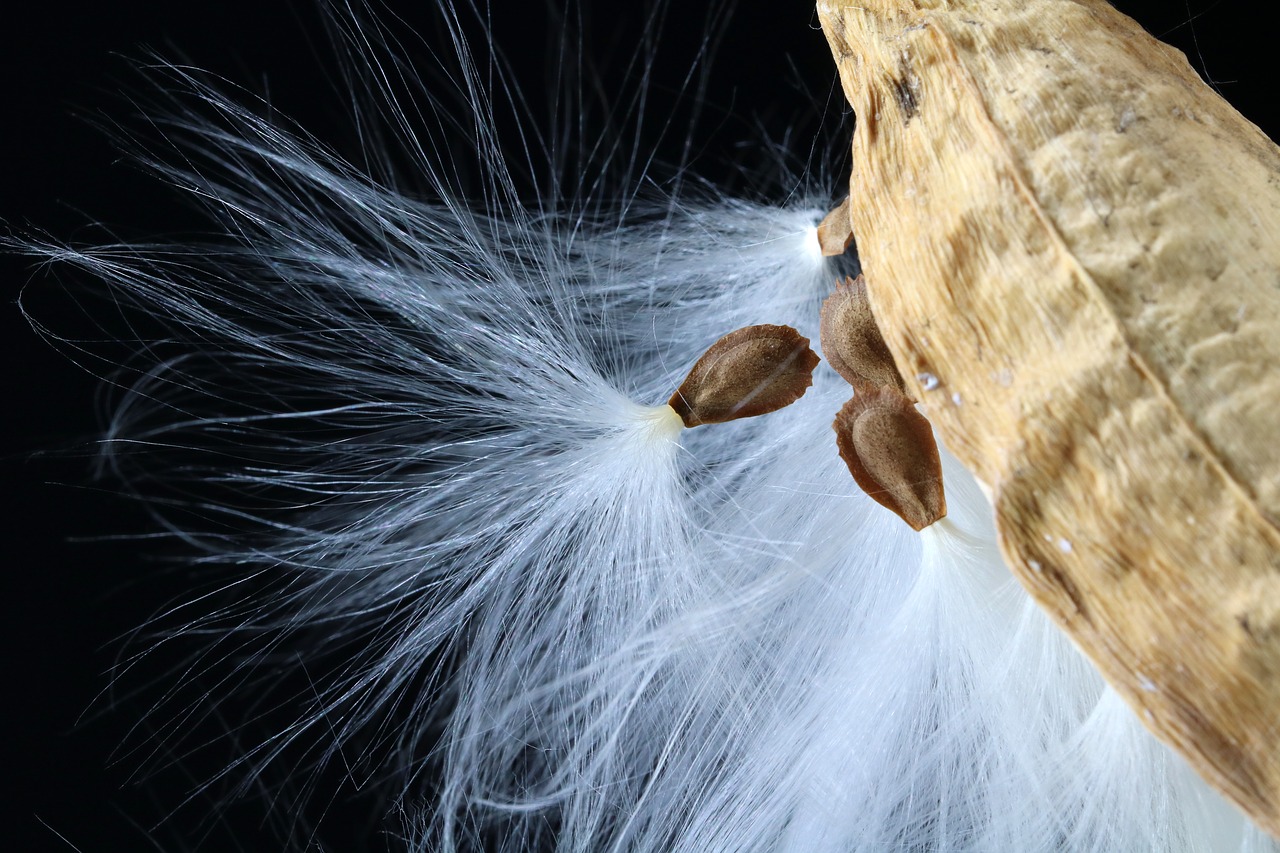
[
  {"x": 835, "y": 232},
  {"x": 750, "y": 372},
  {"x": 890, "y": 450},
  {"x": 852, "y": 342}
]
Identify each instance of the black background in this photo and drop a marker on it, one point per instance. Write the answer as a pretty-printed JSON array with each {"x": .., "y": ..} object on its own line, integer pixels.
[{"x": 70, "y": 596}]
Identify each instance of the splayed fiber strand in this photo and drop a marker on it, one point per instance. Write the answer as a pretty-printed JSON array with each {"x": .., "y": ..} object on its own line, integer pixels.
[{"x": 562, "y": 621}]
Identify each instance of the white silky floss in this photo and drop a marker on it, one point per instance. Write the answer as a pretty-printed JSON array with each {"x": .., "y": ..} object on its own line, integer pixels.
[{"x": 649, "y": 638}]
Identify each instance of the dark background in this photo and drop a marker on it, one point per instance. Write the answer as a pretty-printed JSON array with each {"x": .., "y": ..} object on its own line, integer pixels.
[{"x": 72, "y": 596}]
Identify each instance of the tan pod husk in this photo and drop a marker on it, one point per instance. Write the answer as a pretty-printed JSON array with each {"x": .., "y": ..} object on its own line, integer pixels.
[{"x": 1072, "y": 247}]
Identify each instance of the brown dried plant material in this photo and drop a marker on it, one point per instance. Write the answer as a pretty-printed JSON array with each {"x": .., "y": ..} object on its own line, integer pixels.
[
  {"x": 750, "y": 372},
  {"x": 1063, "y": 227},
  {"x": 890, "y": 450},
  {"x": 834, "y": 231},
  {"x": 852, "y": 342}
]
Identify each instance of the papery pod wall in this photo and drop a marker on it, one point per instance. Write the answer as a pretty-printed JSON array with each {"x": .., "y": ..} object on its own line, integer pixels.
[{"x": 1072, "y": 247}]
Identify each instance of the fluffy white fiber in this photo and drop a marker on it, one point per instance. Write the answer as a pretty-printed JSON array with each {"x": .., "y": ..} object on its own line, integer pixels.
[{"x": 427, "y": 442}]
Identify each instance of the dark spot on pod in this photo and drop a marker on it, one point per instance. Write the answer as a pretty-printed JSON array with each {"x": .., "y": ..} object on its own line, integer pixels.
[
  {"x": 852, "y": 342},
  {"x": 906, "y": 90},
  {"x": 750, "y": 372},
  {"x": 890, "y": 450}
]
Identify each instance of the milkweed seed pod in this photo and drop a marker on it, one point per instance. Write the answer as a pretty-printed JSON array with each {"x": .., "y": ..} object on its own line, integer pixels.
[{"x": 1073, "y": 249}]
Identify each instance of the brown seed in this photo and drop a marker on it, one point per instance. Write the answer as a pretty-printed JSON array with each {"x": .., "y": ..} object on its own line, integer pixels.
[
  {"x": 750, "y": 372},
  {"x": 835, "y": 232},
  {"x": 851, "y": 340},
  {"x": 890, "y": 450}
]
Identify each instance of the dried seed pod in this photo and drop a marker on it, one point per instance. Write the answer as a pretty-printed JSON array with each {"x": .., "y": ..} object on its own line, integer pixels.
[
  {"x": 834, "y": 231},
  {"x": 1065, "y": 226},
  {"x": 851, "y": 341},
  {"x": 750, "y": 372},
  {"x": 891, "y": 452}
]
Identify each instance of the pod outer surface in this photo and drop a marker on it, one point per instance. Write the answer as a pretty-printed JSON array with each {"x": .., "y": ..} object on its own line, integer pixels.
[{"x": 1072, "y": 248}]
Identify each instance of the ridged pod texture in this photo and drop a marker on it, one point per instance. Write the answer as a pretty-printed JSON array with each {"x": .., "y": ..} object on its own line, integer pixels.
[{"x": 1072, "y": 246}]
